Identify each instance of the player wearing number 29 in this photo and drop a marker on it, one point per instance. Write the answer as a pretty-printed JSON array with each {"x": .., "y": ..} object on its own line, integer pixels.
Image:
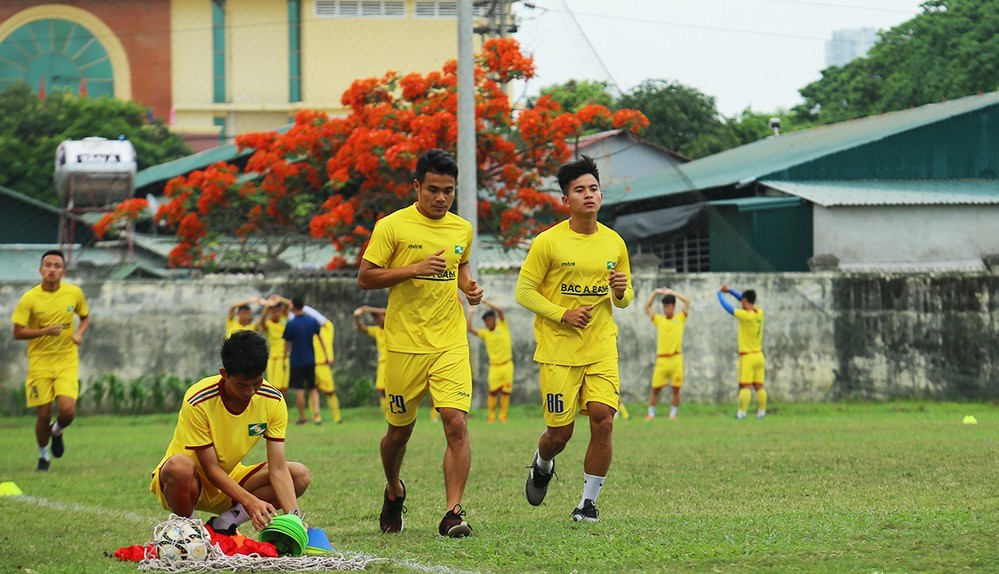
[
  {"x": 420, "y": 253},
  {"x": 574, "y": 275}
]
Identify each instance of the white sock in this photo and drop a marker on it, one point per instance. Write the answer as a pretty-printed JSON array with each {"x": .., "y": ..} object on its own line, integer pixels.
[
  {"x": 56, "y": 429},
  {"x": 591, "y": 488},
  {"x": 652, "y": 411},
  {"x": 544, "y": 466},
  {"x": 43, "y": 452},
  {"x": 673, "y": 411},
  {"x": 235, "y": 515}
]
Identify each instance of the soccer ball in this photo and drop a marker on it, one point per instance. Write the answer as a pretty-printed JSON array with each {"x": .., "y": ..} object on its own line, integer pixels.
[{"x": 183, "y": 541}]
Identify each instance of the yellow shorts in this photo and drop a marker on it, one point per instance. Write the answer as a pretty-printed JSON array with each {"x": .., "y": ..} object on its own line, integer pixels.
[
  {"x": 447, "y": 375},
  {"x": 501, "y": 377},
  {"x": 565, "y": 389},
  {"x": 380, "y": 376},
  {"x": 751, "y": 368},
  {"x": 277, "y": 372},
  {"x": 668, "y": 369},
  {"x": 324, "y": 379},
  {"x": 210, "y": 499},
  {"x": 54, "y": 379}
]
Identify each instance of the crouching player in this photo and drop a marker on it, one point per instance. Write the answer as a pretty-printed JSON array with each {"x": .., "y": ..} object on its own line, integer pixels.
[{"x": 221, "y": 419}]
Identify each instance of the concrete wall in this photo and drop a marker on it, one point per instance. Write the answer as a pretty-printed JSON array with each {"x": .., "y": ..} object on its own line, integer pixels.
[
  {"x": 826, "y": 335},
  {"x": 896, "y": 234}
]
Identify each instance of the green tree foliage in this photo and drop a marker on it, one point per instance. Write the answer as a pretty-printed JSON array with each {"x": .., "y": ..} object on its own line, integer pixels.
[
  {"x": 31, "y": 129},
  {"x": 575, "y": 94},
  {"x": 681, "y": 118},
  {"x": 946, "y": 52}
]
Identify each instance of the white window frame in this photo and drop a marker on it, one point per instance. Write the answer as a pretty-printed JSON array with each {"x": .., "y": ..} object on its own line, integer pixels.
[
  {"x": 360, "y": 9},
  {"x": 436, "y": 11}
]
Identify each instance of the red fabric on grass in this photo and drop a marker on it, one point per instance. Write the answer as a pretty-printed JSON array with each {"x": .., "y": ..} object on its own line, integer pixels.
[{"x": 230, "y": 545}]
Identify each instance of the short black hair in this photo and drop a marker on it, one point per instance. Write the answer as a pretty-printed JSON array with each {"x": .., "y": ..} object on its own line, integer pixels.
[
  {"x": 243, "y": 308},
  {"x": 669, "y": 300},
  {"x": 488, "y": 314},
  {"x": 436, "y": 161},
  {"x": 298, "y": 302},
  {"x": 245, "y": 353},
  {"x": 749, "y": 295},
  {"x": 54, "y": 252},
  {"x": 571, "y": 171}
]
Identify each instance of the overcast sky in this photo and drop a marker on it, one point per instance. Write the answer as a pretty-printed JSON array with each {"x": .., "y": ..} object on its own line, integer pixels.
[{"x": 744, "y": 53}]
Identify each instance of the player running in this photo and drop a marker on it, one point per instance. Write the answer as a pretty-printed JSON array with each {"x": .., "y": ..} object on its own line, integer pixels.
[
  {"x": 420, "y": 253},
  {"x": 573, "y": 276}
]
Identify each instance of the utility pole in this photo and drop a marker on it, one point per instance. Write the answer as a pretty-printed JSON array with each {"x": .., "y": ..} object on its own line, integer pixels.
[{"x": 467, "y": 180}]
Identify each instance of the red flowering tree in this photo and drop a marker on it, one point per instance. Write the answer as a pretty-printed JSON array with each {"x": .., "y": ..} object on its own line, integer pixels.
[{"x": 334, "y": 177}]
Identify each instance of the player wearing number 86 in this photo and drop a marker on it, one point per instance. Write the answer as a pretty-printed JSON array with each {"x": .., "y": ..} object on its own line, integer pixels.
[{"x": 574, "y": 275}]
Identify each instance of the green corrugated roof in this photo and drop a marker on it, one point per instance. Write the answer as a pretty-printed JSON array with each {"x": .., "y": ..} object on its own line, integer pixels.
[
  {"x": 757, "y": 203},
  {"x": 891, "y": 192},
  {"x": 202, "y": 159},
  {"x": 745, "y": 164}
]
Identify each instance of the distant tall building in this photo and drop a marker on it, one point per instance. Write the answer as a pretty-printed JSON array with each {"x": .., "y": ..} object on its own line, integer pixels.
[{"x": 847, "y": 45}]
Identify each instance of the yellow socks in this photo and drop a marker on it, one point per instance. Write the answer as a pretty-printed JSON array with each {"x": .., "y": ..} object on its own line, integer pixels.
[
  {"x": 491, "y": 405},
  {"x": 761, "y": 400},
  {"x": 744, "y": 398},
  {"x": 504, "y": 406},
  {"x": 334, "y": 403}
]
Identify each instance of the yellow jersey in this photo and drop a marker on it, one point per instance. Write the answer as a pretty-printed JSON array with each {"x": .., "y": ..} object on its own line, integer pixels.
[
  {"x": 565, "y": 270},
  {"x": 204, "y": 421},
  {"x": 423, "y": 314},
  {"x": 274, "y": 331},
  {"x": 233, "y": 325},
  {"x": 39, "y": 308},
  {"x": 324, "y": 341},
  {"x": 670, "y": 333},
  {"x": 750, "y": 330},
  {"x": 498, "y": 343},
  {"x": 378, "y": 334}
]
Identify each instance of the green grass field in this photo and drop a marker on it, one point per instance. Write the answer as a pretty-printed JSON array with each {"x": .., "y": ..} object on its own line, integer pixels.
[{"x": 883, "y": 488}]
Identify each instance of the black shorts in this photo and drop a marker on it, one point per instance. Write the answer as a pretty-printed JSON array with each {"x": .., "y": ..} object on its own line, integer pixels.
[{"x": 302, "y": 377}]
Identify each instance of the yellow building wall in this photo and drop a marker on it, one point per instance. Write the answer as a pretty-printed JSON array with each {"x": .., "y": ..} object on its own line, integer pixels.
[
  {"x": 257, "y": 41},
  {"x": 335, "y": 52},
  {"x": 191, "y": 65}
]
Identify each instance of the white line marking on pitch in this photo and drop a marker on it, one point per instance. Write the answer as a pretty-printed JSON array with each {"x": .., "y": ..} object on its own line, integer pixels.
[{"x": 135, "y": 517}]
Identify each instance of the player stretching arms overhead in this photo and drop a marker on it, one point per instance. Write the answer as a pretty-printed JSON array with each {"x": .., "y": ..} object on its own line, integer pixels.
[
  {"x": 420, "y": 253},
  {"x": 751, "y": 361},
  {"x": 496, "y": 335},
  {"x": 669, "y": 354},
  {"x": 574, "y": 275}
]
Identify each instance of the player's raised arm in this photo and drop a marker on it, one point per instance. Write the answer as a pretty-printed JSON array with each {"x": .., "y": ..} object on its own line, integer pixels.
[
  {"x": 683, "y": 298},
  {"x": 468, "y": 322},
  {"x": 357, "y": 319},
  {"x": 724, "y": 302},
  {"x": 652, "y": 297}
]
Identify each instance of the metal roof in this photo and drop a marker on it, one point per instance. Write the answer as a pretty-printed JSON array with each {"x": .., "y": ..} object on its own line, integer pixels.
[
  {"x": 745, "y": 164},
  {"x": 891, "y": 192},
  {"x": 758, "y": 203},
  {"x": 182, "y": 166}
]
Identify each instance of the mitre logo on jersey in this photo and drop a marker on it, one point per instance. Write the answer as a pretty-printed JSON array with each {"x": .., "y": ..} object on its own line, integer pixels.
[
  {"x": 586, "y": 290},
  {"x": 256, "y": 429},
  {"x": 459, "y": 249}
]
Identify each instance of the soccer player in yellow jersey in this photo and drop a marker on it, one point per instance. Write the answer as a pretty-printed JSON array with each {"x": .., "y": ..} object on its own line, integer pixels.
[
  {"x": 44, "y": 317},
  {"x": 575, "y": 273},
  {"x": 241, "y": 316},
  {"x": 221, "y": 419},
  {"x": 420, "y": 253},
  {"x": 376, "y": 332},
  {"x": 272, "y": 322},
  {"x": 496, "y": 336},
  {"x": 751, "y": 362},
  {"x": 669, "y": 348},
  {"x": 323, "y": 347}
]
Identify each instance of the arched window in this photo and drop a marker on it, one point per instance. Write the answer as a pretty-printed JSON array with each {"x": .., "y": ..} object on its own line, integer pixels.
[{"x": 59, "y": 53}]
